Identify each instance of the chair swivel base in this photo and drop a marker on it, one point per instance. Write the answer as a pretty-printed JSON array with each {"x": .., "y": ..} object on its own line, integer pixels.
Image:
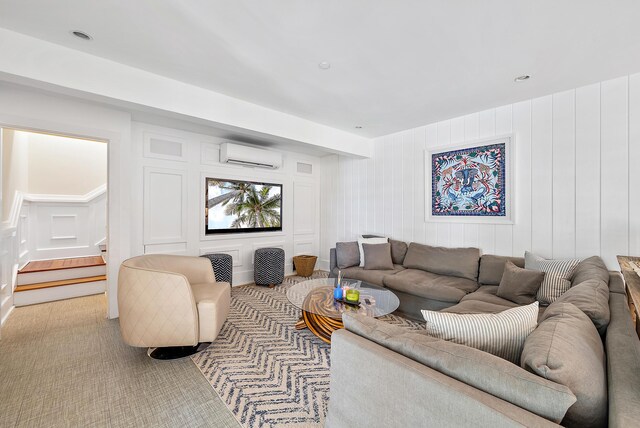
[{"x": 174, "y": 352}]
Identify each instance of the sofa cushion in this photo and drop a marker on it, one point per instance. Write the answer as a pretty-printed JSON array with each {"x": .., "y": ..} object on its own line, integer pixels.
[
  {"x": 592, "y": 298},
  {"x": 377, "y": 256},
  {"x": 502, "y": 334},
  {"x": 398, "y": 251},
  {"x": 591, "y": 268},
  {"x": 459, "y": 262},
  {"x": 484, "y": 294},
  {"x": 519, "y": 285},
  {"x": 492, "y": 268},
  {"x": 557, "y": 275},
  {"x": 347, "y": 254},
  {"x": 471, "y": 366},
  {"x": 566, "y": 349},
  {"x": 371, "y": 240},
  {"x": 430, "y": 285},
  {"x": 475, "y": 307},
  {"x": 371, "y": 276}
]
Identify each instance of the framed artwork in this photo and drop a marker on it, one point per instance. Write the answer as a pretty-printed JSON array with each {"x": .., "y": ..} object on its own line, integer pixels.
[{"x": 471, "y": 182}]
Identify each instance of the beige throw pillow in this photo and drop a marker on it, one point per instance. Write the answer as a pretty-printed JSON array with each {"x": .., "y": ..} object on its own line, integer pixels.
[
  {"x": 501, "y": 334},
  {"x": 557, "y": 276}
]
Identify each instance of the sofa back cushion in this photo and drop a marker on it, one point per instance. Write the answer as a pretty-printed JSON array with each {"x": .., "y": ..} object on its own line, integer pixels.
[
  {"x": 460, "y": 262},
  {"x": 476, "y": 368},
  {"x": 347, "y": 254},
  {"x": 398, "y": 251},
  {"x": 592, "y": 298},
  {"x": 566, "y": 349},
  {"x": 591, "y": 268},
  {"x": 492, "y": 268}
]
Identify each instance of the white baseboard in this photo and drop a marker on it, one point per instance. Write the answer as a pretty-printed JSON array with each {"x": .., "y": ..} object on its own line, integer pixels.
[{"x": 246, "y": 276}]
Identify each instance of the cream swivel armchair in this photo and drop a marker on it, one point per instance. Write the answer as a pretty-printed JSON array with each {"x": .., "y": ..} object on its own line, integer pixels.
[{"x": 171, "y": 304}]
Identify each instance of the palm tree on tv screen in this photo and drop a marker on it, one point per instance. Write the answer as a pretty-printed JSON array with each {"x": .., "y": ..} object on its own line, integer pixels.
[
  {"x": 255, "y": 209},
  {"x": 236, "y": 192}
]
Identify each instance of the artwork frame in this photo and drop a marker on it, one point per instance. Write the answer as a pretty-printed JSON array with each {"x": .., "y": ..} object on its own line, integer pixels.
[{"x": 471, "y": 182}]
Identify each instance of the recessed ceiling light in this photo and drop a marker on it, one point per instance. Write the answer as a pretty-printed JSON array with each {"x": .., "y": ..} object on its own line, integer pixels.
[
  {"x": 81, "y": 35},
  {"x": 522, "y": 78},
  {"x": 358, "y": 127},
  {"x": 324, "y": 65}
]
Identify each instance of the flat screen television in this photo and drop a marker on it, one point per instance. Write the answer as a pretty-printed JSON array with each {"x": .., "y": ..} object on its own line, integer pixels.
[{"x": 234, "y": 206}]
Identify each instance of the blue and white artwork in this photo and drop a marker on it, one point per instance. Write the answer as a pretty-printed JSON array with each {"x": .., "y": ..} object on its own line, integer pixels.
[{"x": 469, "y": 182}]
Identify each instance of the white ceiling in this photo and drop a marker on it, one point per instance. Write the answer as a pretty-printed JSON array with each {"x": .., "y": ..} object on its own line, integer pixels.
[{"x": 394, "y": 64}]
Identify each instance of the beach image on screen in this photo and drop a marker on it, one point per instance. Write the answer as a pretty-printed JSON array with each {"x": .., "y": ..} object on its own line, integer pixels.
[{"x": 242, "y": 206}]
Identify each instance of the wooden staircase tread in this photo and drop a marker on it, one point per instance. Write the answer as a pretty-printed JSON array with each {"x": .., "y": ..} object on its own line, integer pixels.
[
  {"x": 50, "y": 284},
  {"x": 60, "y": 264}
]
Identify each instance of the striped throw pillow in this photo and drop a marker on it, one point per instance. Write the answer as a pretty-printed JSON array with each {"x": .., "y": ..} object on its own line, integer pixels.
[
  {"x": 501, "y": 334},
  {"x": 557, "y": 278}
]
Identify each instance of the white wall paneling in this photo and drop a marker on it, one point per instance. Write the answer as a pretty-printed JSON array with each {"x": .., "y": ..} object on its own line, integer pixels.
[
  {"x": 234, "y": 252},
  {"x": 614, "y": 161},
  {"x": 168, "y": 202},
  {"x": 62, "y": 227},
  {"x": 305, "y": 208},
  {"x": 574, "y": 183},
  {"x": 162, "y": 146},
  {"x": 304, "y": 247},
  {"x": 165, "y": 205}
]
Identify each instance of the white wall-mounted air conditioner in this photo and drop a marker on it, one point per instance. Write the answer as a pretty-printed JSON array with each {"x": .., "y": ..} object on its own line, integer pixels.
[{"x": 249, "y": 156}]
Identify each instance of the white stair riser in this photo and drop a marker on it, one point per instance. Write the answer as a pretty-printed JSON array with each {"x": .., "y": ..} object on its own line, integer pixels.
[
  {"x": 32, "y": 297},
  {"x": 60, "y": 274}
]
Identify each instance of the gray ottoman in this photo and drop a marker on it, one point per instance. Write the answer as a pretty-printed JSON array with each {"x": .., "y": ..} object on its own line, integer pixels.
[
  {"x": 222, "y": 265},
  {"x": 268, "y": 266}
]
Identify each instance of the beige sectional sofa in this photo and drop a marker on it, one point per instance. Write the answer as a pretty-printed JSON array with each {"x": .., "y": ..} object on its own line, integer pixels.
[{"x": 579, "y": 367}]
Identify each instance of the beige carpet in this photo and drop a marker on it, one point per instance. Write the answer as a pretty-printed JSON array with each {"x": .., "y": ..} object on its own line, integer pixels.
[{"x": 63, "y": 364}]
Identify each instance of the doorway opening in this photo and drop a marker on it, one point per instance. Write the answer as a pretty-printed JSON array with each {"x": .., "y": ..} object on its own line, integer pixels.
[{"x": 54, "y": 207}]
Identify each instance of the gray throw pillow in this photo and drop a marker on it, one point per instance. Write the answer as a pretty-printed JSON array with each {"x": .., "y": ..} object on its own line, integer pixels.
[
  {"x": 566, "y": 348},
  {"x": 377, "y": 256},
  {"x": 347, "y": 254},
  {"x": 519, "y": 285},
  {"x": 398, "y": 251},
  {"x": 591, "y": 297}
]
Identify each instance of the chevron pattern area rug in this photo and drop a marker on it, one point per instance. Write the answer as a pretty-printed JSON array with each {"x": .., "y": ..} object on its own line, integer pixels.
[{"x": 268, "y": 373}]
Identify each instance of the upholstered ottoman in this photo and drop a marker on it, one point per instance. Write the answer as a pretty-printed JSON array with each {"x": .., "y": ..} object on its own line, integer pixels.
[
  {"x": 222, "y": 265},
  {"x": 268, "y": 266}
]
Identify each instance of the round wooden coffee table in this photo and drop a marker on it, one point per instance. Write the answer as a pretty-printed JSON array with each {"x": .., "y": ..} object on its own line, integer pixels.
[{"x": 323, "y": 315}]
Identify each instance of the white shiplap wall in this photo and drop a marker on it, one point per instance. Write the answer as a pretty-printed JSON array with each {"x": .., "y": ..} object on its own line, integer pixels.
[{"x": 577, "y": 178}]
